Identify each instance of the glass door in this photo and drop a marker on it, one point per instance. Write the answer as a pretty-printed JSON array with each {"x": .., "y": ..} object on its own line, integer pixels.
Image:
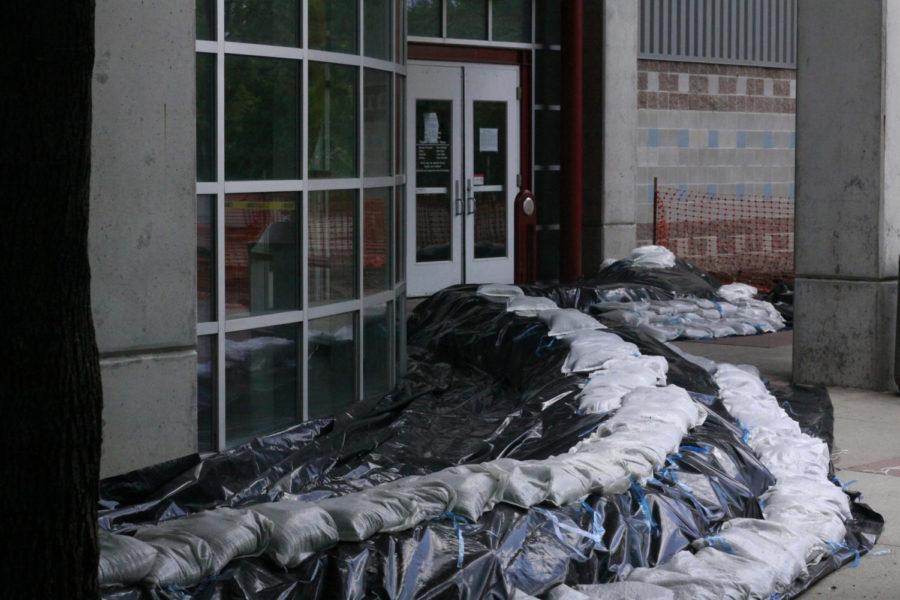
[
  {"x": 462, "y": 168},
  {"x": 434, "y": 196},
  {"x": 491, "y": 170}
]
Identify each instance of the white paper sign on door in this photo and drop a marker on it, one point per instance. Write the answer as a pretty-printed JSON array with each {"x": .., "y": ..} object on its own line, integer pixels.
[
  {"x": 432, "y": 128},
  {"x": 487, "y": 139}
]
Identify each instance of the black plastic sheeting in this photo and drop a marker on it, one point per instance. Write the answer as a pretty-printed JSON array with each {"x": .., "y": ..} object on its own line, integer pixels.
[
  {"x": 782, "y": 298},
  {"x": 482, "y": 384}
]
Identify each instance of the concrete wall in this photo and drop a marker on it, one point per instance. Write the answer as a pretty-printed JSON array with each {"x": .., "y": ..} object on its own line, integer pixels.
[
  {"x": 848, "y": 214},
  {"x": 143, "y": 229}
]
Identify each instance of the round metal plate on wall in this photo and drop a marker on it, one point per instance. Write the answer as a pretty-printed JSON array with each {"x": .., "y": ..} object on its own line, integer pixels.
[{"x": 528, "y": 206}]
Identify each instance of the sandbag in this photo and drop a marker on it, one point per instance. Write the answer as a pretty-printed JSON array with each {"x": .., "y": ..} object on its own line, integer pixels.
[
  {"x": 589, "y": 353},
  {"x": 529, "y": 306},
  {"x": 652, "y": 257},
  {"x": 565, "y": 321},
  {"x": 625, "y": 590},
  {"x": 200, "y": 545},
  {"x": 123, "y": 559},
  {"x": 476, "y": 490},
  {"x": 299, "y": 530},
  {"x": 499, "y": 292},
  {"x": 737, "y": 292},
  {"x": 360, "y": 515}
]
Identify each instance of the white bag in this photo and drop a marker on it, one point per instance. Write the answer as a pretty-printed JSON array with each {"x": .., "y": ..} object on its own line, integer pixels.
[{"x": 565, "y": 321}]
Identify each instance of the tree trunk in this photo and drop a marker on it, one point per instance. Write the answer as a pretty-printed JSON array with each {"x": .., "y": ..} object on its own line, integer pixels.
[{"x": 50, "y": 394}]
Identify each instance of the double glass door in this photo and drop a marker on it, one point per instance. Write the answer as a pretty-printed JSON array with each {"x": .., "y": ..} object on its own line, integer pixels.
[{"x": 462, "y": 174}]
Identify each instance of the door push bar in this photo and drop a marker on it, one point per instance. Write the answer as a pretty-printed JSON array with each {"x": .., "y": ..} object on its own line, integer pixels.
[
  {"x": 458, "y": 201},
  {"x": 470, "y": 197}
]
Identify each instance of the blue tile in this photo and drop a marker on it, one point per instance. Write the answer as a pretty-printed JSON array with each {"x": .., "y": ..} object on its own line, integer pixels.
[
  {"x": 792, "y": 143},
  {"x": 739, "y": 191},
  {"x": 713, "y": 138},
  {"x": 682, "y": 190},
  {"x": 650, "y": 193},
  {"x": 768, "y": 139},
  {"x": 792, "y": 191},
  {"x": 712, "y": 189},
  {"x": 653, "y": 138},
  {"x": 684, "y": 138},
  {"x": 741, "y": 139},
  {"x": 767, "y": 190}
]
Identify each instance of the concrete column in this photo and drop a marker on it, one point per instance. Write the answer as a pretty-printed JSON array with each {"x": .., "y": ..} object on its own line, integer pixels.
[
  {"x": 848, "y": 178},
  {"x": 143, "y": 229},
  {"x": 611, "y": 126}
]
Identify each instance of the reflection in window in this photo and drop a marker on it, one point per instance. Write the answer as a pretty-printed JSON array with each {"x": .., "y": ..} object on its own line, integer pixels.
[
  {"x": 377, "y": 240},
  {"x": 377, "y": 122},
  {"x": 467, "y": 19},
  {"x": 331, "y": 363},
  {"x": 400, "y": 343},
  {"x": 261, "y": 382},
  {"x": 511, "y": 21},
  {"x": 400, "y": 235},
  {"x": 332, "y": 25},
  {"x": 332, "y": 246},
  {"x": 434, "y": 127},
  {"x": 424, "y": 17},
  {"x": 333, "y": 93},
  {"x": 377, "y": 32},
  {"x": 272, "y": 22},
  {"x": 206, "y": 19},
  {"x": 207, "y": 414},
  {"x": 262, "y": 118},
  {"x": 400, "y": 127},
  {"x": 206, "y": 117},
  {"x": 261, "y": 258},
  {"x": 377, "y": 351},
  {"x": 206, "y": 258},
  {"x": 489, "y": 128}
]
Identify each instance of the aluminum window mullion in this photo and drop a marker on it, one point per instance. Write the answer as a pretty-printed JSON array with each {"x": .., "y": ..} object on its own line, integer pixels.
[
  {"x": 302, "y": 366},
  {"x": 360, "y": 212},
  {"x": 220, "y": 225}
]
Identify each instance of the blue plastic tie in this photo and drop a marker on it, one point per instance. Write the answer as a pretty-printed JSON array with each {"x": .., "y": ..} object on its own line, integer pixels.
[
  {"x": 559, "y": 527},
  {"x": 697, "y": 449},
  {"x": 673, "y": 458},
  {"x": 458, "y": 521},
  {"x": 545, "y": 345},
  {"x": 745, "y": 432},
  {"x": 597, "y": 528},
  {"x": 835, "y": 548},
  {"x": 719, "y": 543},
  {"x": 719, "y": 308},
  {"x": 843, "y": 484},
  {"x": 645, "y": 506}
]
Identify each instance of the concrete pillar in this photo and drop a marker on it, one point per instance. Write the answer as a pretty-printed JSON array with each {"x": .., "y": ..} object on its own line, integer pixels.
[
  {"x": 611, "y": 126},
  {"x": 143, "y": 229},
  {"x": 848, "y": 178}
]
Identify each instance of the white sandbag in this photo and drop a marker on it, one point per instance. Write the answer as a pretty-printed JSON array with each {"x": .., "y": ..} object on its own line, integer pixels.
[
  {"x": 299, "y": 530},
  {"x": 625, "y": 590},
  {"x": 225, "y": 533},
  {"x": 626, "y": 317},
  {"x": 663, "y": 333},
  {"x": 476, "y": 490},
  {"x": 696, "y": 332},
  {"x": 706, "y": 364},
  {"x": 690, "y": 578},
  {"x": 737, "y": 292},
  {"x": 565, "y": 321},
  {"x": 423, "y": 499},
  {"x": 657, "y": 364},
  {"x": 123, "y": 559},
  {"x": 361, "y": 515},
  {"x": 636, "y": 375},
  {"x": 740, "y": 326},
  {"x": 526, "y": 482},
  {"x": 499, "y": 292},
  {"x": 520, "y": 595},
  {"x": 529, "y": 306},
  {"x": 721, "y": 329},
  {"x": 652, "y": 257},
  {"x": 589, "y": 353},
  {"x": 564, "y": 592}
]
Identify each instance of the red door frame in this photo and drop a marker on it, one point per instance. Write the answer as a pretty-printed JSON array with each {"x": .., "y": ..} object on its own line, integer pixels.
[{"x": 525, "y": 262}]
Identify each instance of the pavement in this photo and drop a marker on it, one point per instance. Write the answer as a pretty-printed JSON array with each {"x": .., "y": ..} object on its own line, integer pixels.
[{"x": 867, "y": 450}]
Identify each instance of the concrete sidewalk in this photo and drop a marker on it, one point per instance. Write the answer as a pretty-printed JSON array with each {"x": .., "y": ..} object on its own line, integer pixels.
[{"x": 867, "y": 450}]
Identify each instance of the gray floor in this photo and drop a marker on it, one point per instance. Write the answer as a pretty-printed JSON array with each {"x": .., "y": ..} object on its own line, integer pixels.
[{"x": 867, "y": 449}]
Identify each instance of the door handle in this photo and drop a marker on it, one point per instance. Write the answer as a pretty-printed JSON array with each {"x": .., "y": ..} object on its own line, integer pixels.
[
  {"x": 470, "y": 198},
  {"x": 458, "y": 200}
]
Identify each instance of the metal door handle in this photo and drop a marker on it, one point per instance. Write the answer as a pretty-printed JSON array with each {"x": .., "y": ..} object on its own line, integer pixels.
[
  {"x": 470, "y": 198},
  {"x": 458, "y": 201}
]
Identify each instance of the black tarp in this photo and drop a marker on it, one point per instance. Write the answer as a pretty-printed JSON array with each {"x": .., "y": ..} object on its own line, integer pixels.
[{"x": 483, "y": 384}]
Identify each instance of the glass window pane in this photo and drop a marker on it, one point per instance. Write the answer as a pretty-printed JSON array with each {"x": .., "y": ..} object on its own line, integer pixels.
[
  {"x": 262, "y": 265},
  {"x": 400, "y": 235},
  {"x": 377, "y": 332},
  {"x": 548, "y": 255},
  {"x": 206, "y": 258},
  {"x": 262, "y": 388},
  {"x": 399, "y": 31},
  {"x": 206, "y": 117},
  {"x": 377, "y": 240},
  {"x": 332, "y": 246},
  {"x": 378, "y": 133},
  {"x": 331, "y": 364},
  {"x": 273, "y": 22},
  {"x": 546, "y": 195},
  {"x": 548, "y": 77},
  {"x": 333, "y": 119},
  {"x": 489, "y": 129},
  {"x": 547, "y": 129},
  {"x": 262, "y": 118},
  {"x": 400, "y": 126},
  {"x": 467, "y": 19},
  {"x": 424, "y": 17},
  {"x": 332, "y": 25},
  {"x": 547, "y": 18},
  {"x": 377, "y": 32},
  {"x": 206, "y": 19},
  {"x": 511, "y": 21},
  {"x": 207, "y": 386},
  {"x": 434, "y": 127}
]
